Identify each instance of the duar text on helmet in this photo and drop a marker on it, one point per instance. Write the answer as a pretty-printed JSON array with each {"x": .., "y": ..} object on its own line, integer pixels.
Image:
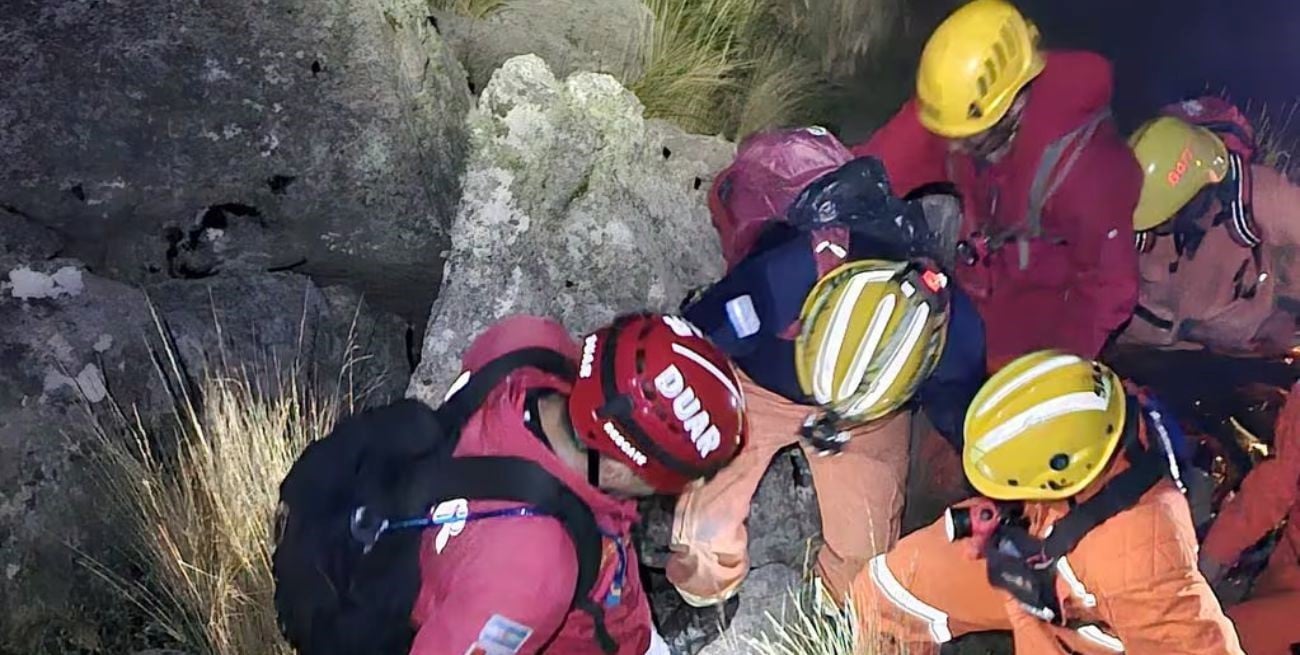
[{"x": 688, "y": 409}]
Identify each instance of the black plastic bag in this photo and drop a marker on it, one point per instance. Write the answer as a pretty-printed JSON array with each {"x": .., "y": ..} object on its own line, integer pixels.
[{"x": 858, "y": 196}]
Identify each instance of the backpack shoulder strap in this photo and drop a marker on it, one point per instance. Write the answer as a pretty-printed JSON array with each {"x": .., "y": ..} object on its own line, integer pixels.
[
  {"x": 475, "y": 387},
  {"x": 1235, "y": 195},
  {"x": 523, "y": 481},
  {"x": 1046, "y": 183},
  {"x": 519, "y": 480},
  {"x": 1124, "y": 491}
]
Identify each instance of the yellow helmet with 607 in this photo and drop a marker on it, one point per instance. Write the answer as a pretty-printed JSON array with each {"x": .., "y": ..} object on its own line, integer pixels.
[{"x": 1178, "y": 159}]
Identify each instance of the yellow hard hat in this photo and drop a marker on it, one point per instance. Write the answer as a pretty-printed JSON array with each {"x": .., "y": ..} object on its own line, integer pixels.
[
  {"x": 1178, "y": 160},
  {"x": 1043, "y": 427},
  {"x": 973, "y": 66},
  {"x": 871, "y": 332}
]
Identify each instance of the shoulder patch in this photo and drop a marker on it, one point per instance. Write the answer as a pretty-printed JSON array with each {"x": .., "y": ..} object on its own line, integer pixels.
[
  {"x": 501, "y": 636},
  {"x": 742, "y": 316}
]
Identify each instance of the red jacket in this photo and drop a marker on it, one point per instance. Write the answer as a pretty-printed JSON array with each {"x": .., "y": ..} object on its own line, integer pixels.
[
  {"x": 1078, "y": 281},
  {"x": 518, "y": 574}
]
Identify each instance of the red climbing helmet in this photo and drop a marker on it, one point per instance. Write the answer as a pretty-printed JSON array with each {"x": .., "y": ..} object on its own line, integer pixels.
[{"x": 653, "y": 393}]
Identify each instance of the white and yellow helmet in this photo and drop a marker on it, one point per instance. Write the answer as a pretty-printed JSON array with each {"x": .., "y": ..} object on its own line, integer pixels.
[
  {"x": 871, "y": 332},
  {"x": 1044, "y": 427}
]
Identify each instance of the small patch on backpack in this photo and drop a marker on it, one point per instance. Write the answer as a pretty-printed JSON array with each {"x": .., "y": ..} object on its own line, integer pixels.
[
  {"x": 743, "y": 317},
  {"x": 501, "y": 636}
]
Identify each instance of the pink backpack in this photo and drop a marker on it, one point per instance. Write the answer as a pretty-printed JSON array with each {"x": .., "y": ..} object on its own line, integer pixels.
[
  {"x": 768, "y": 173},
  {"x": 1221, "y": 117}
]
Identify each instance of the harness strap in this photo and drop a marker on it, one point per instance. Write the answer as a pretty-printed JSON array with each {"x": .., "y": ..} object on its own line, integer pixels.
[
  {"x": 523, "y": 481},
  {"x": 1148, "y": 466},
  {"x": 1045, "y": 184},
  {"x": 1235, "y": 196},
  {"x": 1145, "y": 314},
  {"x": 463, "y": 402},
  {"x": 1048, "y": 178}
]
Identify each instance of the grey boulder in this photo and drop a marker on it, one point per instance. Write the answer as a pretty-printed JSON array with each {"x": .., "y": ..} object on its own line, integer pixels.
[
  {"x": 186, "y": 138},
  {"x": 574, "y": 208}
]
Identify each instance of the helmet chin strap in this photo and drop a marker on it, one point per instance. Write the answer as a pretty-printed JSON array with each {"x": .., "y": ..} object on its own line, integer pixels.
[{"x": 593, "y": 468}]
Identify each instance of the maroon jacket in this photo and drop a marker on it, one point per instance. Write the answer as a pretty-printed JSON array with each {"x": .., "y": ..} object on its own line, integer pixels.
[
  {"x": 500, "y": 579},
  {"x": 1068, "y": 279}
]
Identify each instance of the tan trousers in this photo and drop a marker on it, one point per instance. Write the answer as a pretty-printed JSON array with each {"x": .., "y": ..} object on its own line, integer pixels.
[{"x": 859, "y": 494}]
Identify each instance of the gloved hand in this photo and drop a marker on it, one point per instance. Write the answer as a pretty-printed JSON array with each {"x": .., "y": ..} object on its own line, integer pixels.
[{"x": 823, "y": 433}]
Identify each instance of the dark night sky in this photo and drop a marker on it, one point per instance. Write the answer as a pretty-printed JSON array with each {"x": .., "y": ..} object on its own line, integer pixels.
[{"x": 1164, "y": 49}]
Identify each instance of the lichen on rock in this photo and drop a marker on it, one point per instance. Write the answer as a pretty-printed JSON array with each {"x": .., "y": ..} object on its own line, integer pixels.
[{"x": 569, "y": 209}]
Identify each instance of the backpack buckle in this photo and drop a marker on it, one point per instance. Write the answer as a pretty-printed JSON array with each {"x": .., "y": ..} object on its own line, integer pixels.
[{"x": 366, "y": 529}]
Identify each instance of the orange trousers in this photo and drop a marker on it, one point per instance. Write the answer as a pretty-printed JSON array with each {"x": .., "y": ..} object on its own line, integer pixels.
[
  {"x": 859, "y": 495},
  {"x": 1268, "y": 623},
  {"x": 928, "y": 591}
]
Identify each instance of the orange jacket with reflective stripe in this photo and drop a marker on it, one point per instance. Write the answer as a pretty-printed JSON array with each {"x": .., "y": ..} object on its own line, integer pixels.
[{"x": 1132, "y": 581}]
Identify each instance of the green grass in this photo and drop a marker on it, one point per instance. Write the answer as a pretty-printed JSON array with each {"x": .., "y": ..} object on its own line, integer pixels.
[
  {"x": 806, "y": 627},
  {"x": 733, "y": 67}
]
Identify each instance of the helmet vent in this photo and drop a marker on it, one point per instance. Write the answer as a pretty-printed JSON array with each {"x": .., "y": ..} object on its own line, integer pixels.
[{"x": 1060, "y": 462}]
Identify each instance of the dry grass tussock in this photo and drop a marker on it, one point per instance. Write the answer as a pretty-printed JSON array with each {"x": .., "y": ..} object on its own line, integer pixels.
[
  {"x": 194, "y": 503},
  {"x": 806, "y": 627},
  {"x": 732, "y": 67},
  {"x": 1275, "y": 135},
  {"x": 477, "y": 9}
]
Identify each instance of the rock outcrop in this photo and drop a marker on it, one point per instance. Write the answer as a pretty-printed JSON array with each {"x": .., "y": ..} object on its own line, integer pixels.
[
  {"x": 573, "y": 207},
  {"x": 170, "y": 138},
  {"x": 577, "y": 208},
  {"x": 784, "y": 529}
]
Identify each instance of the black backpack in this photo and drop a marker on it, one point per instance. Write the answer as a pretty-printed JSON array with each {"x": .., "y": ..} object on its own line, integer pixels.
[{"x": 339, "y": 590}]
